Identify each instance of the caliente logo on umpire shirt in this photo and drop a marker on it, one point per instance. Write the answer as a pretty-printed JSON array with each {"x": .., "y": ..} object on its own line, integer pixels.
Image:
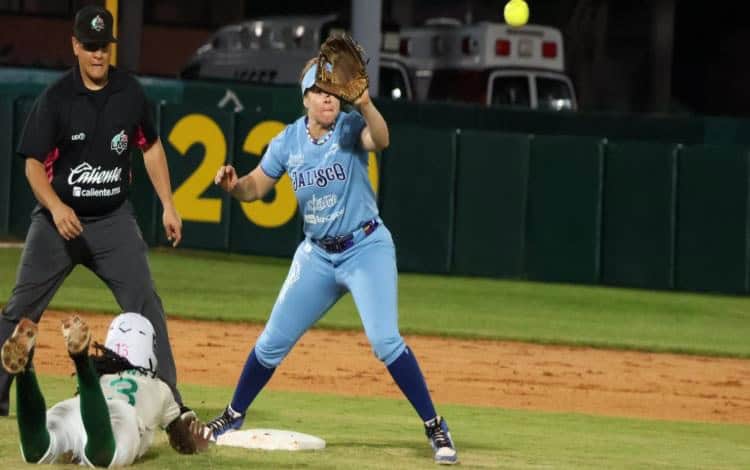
[{"x": 85, "y": 174}]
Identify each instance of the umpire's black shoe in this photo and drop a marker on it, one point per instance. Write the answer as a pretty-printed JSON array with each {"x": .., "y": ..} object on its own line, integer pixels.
[{"x": 440, "y": 439}]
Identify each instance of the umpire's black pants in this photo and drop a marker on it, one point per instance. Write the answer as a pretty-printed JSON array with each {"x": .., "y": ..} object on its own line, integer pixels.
[{"x": 113, "y": 248}]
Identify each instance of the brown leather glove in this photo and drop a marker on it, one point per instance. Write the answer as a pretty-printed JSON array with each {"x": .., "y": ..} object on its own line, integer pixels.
[{"x": 342, "y": 68}]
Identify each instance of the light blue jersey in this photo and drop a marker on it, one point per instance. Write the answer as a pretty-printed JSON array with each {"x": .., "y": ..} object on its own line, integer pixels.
[
  {"x": 333, "y": 191},
  {"x": 330, "y": 180}
]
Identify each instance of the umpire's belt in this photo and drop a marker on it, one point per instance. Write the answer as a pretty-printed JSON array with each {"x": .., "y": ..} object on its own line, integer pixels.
[{"x": 344, "y": 242}]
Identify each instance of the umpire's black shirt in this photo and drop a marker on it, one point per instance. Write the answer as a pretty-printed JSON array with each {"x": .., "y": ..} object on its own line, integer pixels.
[{"x": 84, "y": 139}]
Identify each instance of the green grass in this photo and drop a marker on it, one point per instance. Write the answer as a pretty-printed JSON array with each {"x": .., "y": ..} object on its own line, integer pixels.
[
  {"x": 207, "y": 285},
  {"x": 366, "y": 433},
  {"x": 369, "y": 433}
]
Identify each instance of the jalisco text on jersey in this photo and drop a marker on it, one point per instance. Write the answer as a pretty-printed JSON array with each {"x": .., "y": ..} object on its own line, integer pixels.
[{"x": 318, "y": 176}]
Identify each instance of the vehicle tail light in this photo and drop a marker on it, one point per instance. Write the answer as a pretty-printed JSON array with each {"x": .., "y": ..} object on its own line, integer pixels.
[
  {"x": 549, "y": 50},
  {"x": 502, "y": 47}
]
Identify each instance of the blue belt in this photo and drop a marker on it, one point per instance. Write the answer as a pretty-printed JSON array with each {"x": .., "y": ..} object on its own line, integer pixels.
[{"x": 344, "y": 242}]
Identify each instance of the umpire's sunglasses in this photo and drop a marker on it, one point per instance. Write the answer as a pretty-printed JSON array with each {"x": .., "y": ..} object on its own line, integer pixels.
[{"x": 95, "y": 46}]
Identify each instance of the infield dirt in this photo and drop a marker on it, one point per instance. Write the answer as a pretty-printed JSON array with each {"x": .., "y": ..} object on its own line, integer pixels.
[{"x": 472, "y": 372}]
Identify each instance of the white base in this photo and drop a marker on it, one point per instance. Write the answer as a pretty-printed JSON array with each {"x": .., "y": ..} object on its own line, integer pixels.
[{"x": 270, "y": 439}]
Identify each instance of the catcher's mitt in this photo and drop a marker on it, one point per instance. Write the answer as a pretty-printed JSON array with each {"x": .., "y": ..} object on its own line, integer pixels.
[
  {"x": 187, "y": 435},
  {"x": 342, "y": 68}
]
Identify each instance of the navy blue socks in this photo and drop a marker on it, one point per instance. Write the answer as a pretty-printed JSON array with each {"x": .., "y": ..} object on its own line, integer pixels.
[
  {"x": 404, "y": 370},
  {"x": 408, "y": 376},
  {"x": 254, "y": 377}
]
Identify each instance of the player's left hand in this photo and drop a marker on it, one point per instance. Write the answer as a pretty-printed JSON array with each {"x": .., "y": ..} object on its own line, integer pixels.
[
  {"x": 187, "y": 435},
  {"x": 172, "y": 225},
  {"x": 201, "y": 435},
  {"x": 363, "y": 100}
]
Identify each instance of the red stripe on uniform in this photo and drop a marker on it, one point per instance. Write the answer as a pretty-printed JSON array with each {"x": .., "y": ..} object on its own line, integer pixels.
[
  {"x": 49, "y": 162},
  {"x": 140, "y": 139}
]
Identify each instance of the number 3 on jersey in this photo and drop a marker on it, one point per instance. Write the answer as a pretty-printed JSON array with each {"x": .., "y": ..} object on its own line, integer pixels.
[{"x": 127, "y": 387}]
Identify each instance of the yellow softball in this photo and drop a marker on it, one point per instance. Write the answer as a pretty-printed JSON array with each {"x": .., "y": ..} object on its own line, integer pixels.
[{"x": 516, "y": 12}]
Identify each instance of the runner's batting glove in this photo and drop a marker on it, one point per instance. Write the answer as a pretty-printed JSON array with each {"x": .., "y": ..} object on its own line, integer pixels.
[{"x": 187, "y": 435}]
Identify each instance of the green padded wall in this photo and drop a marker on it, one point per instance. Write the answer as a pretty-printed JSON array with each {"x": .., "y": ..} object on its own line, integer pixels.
[
  {"x": 638, "y": 215},
  {"x": 492, "y": 172},
  {"x": 417, "y": 196},
  {"x": 564, "y": 209},
  {"x": 712, "y": 219},
  {"x": 22, "y": 199},
  {"x": 6, "y": 158},
  {"x": 475, "y": 202}
]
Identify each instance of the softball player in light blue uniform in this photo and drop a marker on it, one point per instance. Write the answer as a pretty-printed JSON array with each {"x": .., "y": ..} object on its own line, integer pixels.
[{"x": 346, "y": 248}]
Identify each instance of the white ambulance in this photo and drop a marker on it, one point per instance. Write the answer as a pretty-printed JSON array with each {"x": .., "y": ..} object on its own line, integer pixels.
[
  {"x": 489, "y": 63},
  {"x": 486, "y": 63},
  {"x": 272, "y": 50}
]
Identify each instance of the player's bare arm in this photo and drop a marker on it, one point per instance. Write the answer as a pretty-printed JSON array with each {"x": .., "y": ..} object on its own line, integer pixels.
[
  {"x": 65, "y": 218},
  {"x": 375, "y": 136},
  {"x": 251, "y": 187},
  {"x": 155, "y": 160}
]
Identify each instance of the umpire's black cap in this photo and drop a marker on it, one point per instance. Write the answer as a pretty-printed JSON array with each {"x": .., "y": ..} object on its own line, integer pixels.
[{"x": 93, "y": 24}]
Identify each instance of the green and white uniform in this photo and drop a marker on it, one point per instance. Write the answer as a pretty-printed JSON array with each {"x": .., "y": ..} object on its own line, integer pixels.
[
  {"x": 139, "y": 404},
  {"x": 121, "y": 410}
]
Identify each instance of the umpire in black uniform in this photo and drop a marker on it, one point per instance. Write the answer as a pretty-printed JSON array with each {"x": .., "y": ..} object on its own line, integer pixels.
[{"x": 77, "y": 143}]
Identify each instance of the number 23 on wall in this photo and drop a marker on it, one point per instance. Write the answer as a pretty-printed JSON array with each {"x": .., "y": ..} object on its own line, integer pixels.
[{"x": 201, "y": 129}]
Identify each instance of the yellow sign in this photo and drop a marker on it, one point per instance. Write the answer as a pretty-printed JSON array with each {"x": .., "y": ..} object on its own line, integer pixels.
[
  {"x": 114, "y": 8},
  {"x": 200, "y": 129}
]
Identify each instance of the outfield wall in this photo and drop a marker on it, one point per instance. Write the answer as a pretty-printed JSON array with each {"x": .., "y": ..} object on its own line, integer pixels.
[{"x": 597, "y": 199}]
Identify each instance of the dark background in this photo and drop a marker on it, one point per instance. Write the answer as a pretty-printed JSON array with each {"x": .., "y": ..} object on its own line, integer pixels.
[{"x": 644, "y": 56}]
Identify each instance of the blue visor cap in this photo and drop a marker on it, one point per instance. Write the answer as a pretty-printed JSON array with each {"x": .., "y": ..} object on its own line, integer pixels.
[{"x": 308, "y": 81}]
